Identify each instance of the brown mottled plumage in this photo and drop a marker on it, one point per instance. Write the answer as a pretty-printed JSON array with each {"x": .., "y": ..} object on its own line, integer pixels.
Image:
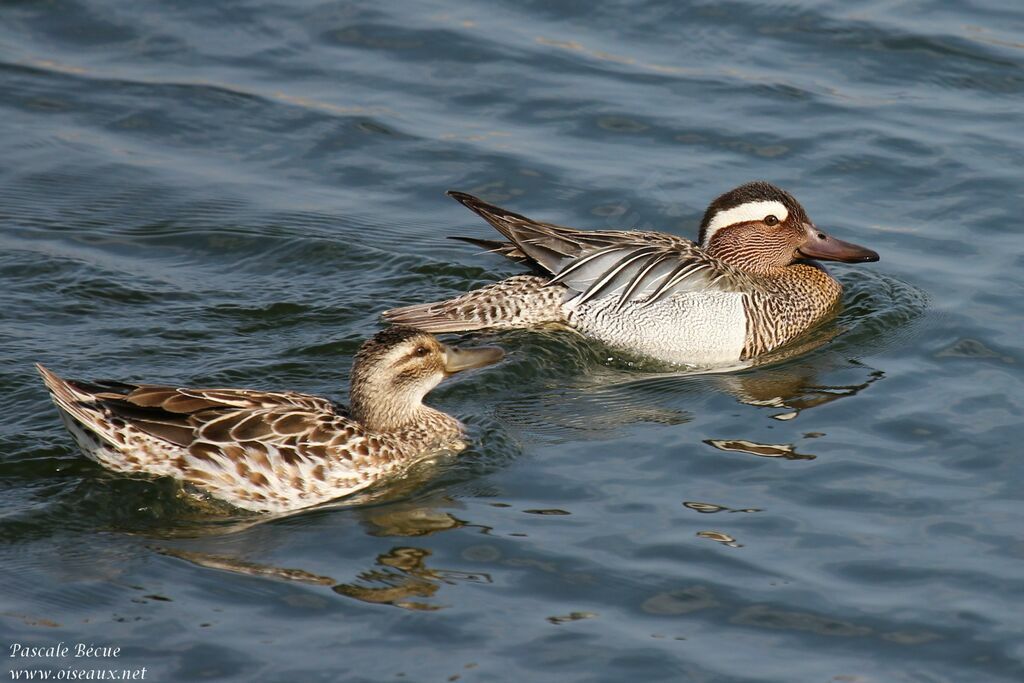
[
  {"x": 275, "y": 451},
  {"x": 747, "y": 288}
]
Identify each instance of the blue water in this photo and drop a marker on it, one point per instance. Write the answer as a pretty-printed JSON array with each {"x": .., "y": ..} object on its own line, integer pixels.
[{"x": 230, "y": 193}]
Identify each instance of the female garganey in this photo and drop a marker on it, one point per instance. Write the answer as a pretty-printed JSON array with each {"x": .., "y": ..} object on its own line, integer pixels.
[
  {"x": 269, "y": 451},
  {"x": 748, "y": 287}
]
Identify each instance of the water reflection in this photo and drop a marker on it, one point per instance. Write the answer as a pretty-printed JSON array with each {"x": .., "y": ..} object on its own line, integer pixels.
[
  {"x": 762, "y": 450},
  {"x": 405, "y": 575},
  {"x": 709, "y": 508},
  {"x": 974, "y": 349},
  {"x": 401, "y": 576},
  {"x": 793, "y": 389},
  {"x": 571, "y": 616},
  {"x": 409, "y": 519},
  {"x": 239, "y": 566},
  {"x": 720, "y": 537},
  {"x": 584, "y": 410},
  {"x": 607, "y": 399}
]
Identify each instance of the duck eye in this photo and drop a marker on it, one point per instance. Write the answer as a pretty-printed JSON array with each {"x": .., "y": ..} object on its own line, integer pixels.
[
  {"x": 421, "y": 351},
  {"x": 770, "y": 219}
]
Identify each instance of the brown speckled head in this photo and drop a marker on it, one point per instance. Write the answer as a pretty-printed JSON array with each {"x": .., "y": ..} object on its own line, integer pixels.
[
  {"x": 406, "y": 356},
  {"x": 760, "y": 228},
  {"x": 396, "y": 368}
]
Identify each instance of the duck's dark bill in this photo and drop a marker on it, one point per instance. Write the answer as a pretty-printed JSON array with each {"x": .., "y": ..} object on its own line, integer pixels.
[
  {"x": 457, "y": 360},
  {"x": 821, "y": 246}
]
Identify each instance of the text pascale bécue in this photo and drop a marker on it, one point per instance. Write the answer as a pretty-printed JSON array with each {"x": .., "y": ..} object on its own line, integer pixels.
[{"x": 87, "y": 650}]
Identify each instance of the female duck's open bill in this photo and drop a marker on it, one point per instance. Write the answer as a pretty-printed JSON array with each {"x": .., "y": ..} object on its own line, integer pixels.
[{"x": 457, "y": 360}]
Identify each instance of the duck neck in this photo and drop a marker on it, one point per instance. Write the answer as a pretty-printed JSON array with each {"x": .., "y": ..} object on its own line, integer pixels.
[
  {"x": 382, "y": 409},
  {"x": 755, "y": 256},
  {"x": 750, "y": 262}
]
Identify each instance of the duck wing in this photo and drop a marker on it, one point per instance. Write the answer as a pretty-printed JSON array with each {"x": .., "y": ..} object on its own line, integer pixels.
[
  {"x": 646, "y": 272},
  {"x": 186, "y": 418},
  {"x": 635, "y": 266}
]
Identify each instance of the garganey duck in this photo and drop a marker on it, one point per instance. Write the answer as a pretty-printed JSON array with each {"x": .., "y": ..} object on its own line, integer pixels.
[
  {"x": 275, "y": 451},
  {"x": 748, "y": 287}
]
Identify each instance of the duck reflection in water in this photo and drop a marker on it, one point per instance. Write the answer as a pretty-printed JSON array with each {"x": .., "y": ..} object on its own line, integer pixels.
[
  {"x": 400, "y": 577},
  {"x": 595, "y": 406}
]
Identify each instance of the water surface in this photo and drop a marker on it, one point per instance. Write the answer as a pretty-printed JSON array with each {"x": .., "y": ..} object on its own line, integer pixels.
[{"x": 230, "y": 193}]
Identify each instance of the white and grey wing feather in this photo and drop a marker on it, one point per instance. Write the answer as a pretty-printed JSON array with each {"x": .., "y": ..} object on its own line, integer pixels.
[{"x": 638, "y": 271}]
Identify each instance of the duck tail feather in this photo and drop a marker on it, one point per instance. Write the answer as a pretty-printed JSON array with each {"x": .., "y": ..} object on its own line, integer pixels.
[
  {"x": 81, "y": 411},
  {"x": 544, "y": 246},
  {"x": 506, "y": 249},
  {"x": 64, "y": 394},
  {"x": 495, "y": 215}
]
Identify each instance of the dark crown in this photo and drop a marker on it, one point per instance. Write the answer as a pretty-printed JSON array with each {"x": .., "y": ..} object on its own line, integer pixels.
[
  {"x": 756, "y": 191},
  {"x": 383, "y": 341}
]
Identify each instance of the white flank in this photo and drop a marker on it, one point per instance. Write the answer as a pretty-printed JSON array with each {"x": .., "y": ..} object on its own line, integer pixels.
[
  {"x": 702, "y": 329},
  {"x": 744, "y": 213}
]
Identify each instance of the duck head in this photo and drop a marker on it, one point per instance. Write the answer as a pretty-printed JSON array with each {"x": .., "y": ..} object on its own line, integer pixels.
[
  {"x": 398, "y": 367},
  {"x": 760, "y": 228}
]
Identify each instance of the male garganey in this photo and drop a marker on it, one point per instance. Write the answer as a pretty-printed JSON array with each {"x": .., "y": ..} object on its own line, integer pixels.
[
  {"x": 275, "y": 451},
  {"x": 748, "y": 287}
]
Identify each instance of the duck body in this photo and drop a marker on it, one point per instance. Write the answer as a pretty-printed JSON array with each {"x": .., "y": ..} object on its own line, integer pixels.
[
  {"x": 747, "y": 288},
  {"x": 687, "y": 329},
  {"x": 274, "y": 451}
]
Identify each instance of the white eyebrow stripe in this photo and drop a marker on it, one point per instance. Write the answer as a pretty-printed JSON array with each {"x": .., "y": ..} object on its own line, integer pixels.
[{"x": 751, "y": 211}]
